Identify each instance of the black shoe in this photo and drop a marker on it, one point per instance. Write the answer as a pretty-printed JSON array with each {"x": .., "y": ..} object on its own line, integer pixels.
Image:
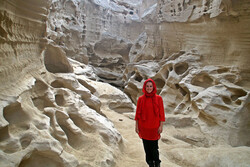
[
  {"x": 151, "y": 164},
  {"x": 157, "y": 164}
]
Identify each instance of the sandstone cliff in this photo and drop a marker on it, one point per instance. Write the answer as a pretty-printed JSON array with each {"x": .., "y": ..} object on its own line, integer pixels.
[{"x": 59, "y": 58}]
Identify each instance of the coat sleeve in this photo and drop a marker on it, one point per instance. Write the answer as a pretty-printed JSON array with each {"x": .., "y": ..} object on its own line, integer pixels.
[
  {"x": 161, "y": 107},
  {"x": 138, "y": 109}
]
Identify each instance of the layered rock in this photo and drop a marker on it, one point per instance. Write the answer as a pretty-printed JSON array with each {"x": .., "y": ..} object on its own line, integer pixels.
[
  {"x": 54, "y": 52},
  {"x": 22, "y": 31},
  {"x": 49, "y": 116},
  {"x": 199, "y": 67},
  {"x": 207, "y": 94},
  {"x": 58, "y": 117},
  {"x": 217, "y": 29},
  {"x": 96, "y": 32}
]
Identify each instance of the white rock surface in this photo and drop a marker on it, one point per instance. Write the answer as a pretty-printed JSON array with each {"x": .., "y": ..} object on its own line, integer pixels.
[{"x": 55, "y": 112}]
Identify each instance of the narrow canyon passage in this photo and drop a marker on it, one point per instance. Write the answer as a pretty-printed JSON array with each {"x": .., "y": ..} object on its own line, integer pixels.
[
  {"x": 71, "y": 72},
  {"x": 132, "y": 153}
]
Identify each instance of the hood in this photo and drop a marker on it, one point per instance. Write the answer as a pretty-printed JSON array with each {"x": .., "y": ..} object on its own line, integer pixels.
[{"x": 154, "y": 86}]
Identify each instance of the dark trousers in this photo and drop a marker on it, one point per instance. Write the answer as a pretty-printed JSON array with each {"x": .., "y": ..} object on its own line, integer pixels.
[{"x": 151, "y": 149}]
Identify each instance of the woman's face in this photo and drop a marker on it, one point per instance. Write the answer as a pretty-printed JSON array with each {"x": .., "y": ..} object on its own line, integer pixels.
[{"x": 149, "y": 87}]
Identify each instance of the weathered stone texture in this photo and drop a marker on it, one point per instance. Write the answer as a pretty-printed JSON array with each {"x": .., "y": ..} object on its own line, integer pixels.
[
  {"x": 55, "y": 112},
  {"x": 218, "y": 29},
  {"x": 22, "y": 33},
  {"x": 96, "y": 32}
]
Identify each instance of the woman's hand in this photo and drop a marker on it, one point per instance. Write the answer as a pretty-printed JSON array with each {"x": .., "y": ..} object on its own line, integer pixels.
[
  {"x": 160, "y": 129},
  {"x": 136, "y": 127}
]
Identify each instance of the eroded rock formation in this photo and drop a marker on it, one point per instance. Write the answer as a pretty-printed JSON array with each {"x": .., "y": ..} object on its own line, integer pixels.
[
  {"x": 49, "y": 116},
  {"x": 205, "y": 95},
  {"x": 54, "y": 112},
  {"x": 96, "y": 32},
  {"x": 217, "y": 29}
]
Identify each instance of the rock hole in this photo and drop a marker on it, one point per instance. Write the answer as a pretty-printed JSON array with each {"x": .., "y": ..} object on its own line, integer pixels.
[
  {"x": 59, "y": 100},
  {"x": 237, "y": 93},
  {"x": 46, "y": 158},
  {"x": 160, "y": 83},
  {"x": 14, "y": 114},
  {"x": 57, "y": 84},
  {"x": 88, "y": 86},
  {"x": 134, "y": 53},
  {"x": 222, "y": 70},
  {"x": 75, "y": 140},
  {"x": 181, "y": 68},
  {"x": 181, "y": 106},
  {"x": 182, "y": 91},
  {"x": 84, "y": 125},
  {"x": 226, "y": 100},
  {"x": 167, "y": 74},
  {"x": 177, "y": 86},
  {"x": 194, "y": 94},
  {"x": 202, "y": 80},
  {"x": 42, "y": 102},
  {"x": 137, "y": 46},
  {"x": 60, "y": 84},
  {"x": 160, "y": 11},
  {"x": 221, "y": 107},
  {"x": 208, "y": 119},
  {"x": 39, "y": 87},
  {"x": 25, "y": 141},
  {"x": 238, "y": 102},
  {"x": 132, "y": 73},
  {"x": 55, "y": 60},
  {"x": 3, "y": 33},
  {"x": 4, "y": 131},
  {"x": 138, "y": 77}
]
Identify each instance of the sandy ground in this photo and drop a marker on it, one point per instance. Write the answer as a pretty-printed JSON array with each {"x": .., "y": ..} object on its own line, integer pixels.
[{"x": 133, "y": 153}]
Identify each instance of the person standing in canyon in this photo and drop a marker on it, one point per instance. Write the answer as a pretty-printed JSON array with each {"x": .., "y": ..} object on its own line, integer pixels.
[{"x": 149, "y": 119}]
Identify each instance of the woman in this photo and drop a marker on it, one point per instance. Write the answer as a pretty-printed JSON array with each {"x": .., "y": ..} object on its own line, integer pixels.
[{"x": 149, "y": 121}]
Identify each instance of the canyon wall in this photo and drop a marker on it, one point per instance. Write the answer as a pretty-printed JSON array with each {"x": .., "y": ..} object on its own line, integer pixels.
[
  {"x": 99, "y": 33},
  {"x": 217, "y": 29},
  {"x": 54, "y": 53},
  {"x": 48, "y": 115},
  {"x": 23, "y": 33},
  {"x": 198, "y": 53}
]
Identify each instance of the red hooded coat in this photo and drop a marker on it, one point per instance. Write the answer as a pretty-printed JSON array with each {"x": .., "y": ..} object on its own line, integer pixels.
[{"x": 149, "y": 113}]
